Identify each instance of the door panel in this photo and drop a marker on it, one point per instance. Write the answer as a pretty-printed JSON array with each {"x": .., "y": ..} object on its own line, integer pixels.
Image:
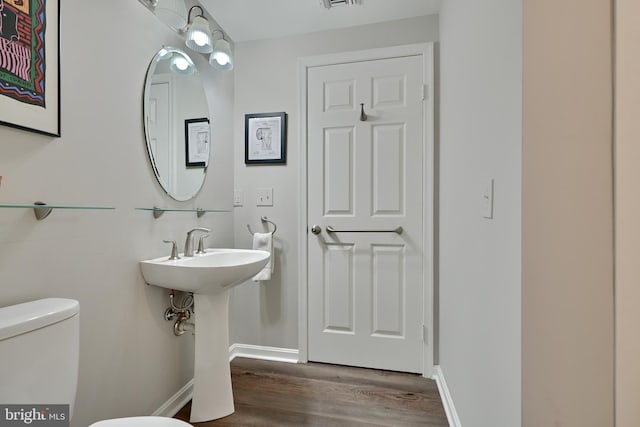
[
  {"x": 338, "y": 95},
  {"x": 365, "y": 178},
  {"x": 389, "y": 91},
  {"x": 388, "y": 169},
  {"x": 339, "y": 171},
  {"x": 388, "y": 291},
  {"x": 338, "y": 289}
]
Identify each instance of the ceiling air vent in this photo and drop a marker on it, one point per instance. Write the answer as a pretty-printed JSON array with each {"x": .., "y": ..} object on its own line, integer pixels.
[{"x": 332, "y": 3}]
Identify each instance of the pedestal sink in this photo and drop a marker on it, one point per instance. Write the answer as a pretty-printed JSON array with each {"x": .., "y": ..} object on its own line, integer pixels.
[{"x": 209, "y": 276}]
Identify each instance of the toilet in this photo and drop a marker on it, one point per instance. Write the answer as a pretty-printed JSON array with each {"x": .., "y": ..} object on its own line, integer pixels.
[{"x": 39, "y": 348}]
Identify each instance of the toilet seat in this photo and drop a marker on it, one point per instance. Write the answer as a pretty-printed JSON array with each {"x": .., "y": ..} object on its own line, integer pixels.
[{"x": 141, "y": 422}]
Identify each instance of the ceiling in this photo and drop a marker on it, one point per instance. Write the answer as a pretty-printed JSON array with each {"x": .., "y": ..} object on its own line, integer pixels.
[{"x": 261, "y": 19}]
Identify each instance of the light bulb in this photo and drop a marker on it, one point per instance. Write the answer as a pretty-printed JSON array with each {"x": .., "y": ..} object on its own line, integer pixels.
[
  {"x": 200, "y": 38},
  {"x": 222, "y": 58},
  {"x": 181, "y": 63}
]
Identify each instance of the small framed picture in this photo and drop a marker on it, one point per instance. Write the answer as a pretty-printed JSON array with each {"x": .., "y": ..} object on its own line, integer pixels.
[
  {"x": 265, "y": 138},
  {"x": 197, "y": 142}
]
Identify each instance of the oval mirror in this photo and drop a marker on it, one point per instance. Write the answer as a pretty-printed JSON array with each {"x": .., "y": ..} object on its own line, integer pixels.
[{"x": 176, "y": 123}]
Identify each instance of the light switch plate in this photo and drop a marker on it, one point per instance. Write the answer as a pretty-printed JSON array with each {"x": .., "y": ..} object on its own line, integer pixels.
[
  {"x": 487, "y": 200},
  {"x": 237, "y": 197},
  {"x": 265, "y": 197}
]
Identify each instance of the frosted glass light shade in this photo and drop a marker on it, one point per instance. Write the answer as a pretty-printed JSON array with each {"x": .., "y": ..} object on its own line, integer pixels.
[
  {"x": 221, "y": 57},
  {"x": 182, "y": 64},
  {"x": 199, "y": 35},
  {"x": 172, "y": 12}
]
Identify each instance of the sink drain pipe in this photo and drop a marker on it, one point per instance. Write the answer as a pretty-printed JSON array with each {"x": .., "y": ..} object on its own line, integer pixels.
[
  {"x": 181, "y": 312},
  {"x": 181, "y": 326}
]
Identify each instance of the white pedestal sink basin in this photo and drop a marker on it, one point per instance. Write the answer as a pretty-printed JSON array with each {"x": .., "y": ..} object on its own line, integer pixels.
[
  {"x": 209, "y": 276},
  {"x": 213, "y": 272}
]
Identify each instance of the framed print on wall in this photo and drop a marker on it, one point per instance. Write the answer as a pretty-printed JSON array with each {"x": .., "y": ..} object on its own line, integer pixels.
[
  {"x": 197, "y": 142},
  {"x": 265, "y": 138},
  {"x": 30, "y": 65}
]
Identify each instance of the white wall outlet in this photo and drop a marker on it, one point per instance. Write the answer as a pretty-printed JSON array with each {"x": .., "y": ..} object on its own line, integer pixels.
[
  {"x": 487, "y": 200},
  {"x": 265, "y": 197},
  {"x": 237, "y": 197}
]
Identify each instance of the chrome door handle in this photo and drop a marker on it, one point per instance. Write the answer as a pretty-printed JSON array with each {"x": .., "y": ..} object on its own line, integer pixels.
[
  {"x": 316, "y": 229},
  {"x": 332, "y": 229}
]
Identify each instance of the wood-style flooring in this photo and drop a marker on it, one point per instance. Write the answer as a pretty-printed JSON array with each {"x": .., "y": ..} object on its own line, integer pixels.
[{"x": 314, "y": 394}]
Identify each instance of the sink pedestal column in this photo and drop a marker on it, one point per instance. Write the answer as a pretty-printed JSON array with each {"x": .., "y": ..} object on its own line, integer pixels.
[{"x": 212, "y": 394}]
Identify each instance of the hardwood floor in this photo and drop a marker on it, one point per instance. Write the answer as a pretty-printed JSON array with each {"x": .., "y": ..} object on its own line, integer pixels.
[{"x": 314, "y": 394}]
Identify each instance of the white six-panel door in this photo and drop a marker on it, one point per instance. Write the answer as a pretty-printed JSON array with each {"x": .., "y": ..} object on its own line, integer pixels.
[{"x": 365, "y": 179}]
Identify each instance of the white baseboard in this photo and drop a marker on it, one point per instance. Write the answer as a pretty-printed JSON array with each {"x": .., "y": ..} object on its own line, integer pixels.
[
  {"x": 447, "y": 401},
  {"x": 275, "y": 354},
  {"x": 176, "y": 402},
  {"x": 184, "y": 395}
]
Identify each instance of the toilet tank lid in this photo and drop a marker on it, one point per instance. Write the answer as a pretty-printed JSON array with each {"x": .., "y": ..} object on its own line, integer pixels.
[{"x": 29, "y": 316}]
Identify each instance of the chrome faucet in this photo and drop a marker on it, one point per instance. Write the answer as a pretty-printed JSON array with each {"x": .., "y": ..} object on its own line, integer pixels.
[{"x": 188, "y": 244}]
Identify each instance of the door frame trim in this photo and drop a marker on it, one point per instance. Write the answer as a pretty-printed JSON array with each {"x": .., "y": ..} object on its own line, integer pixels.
[{"x": 426, "y": 50}]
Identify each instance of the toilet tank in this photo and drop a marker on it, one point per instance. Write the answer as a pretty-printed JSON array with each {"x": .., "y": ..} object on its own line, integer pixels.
[{"x": 39, "y": 350}]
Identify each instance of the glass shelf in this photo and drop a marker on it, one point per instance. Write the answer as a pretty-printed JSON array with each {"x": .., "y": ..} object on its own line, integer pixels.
[
  {"x": 157, "y": 212},
  {"x": 42, "y": 210},
  {"x": 34, "y": 206}
]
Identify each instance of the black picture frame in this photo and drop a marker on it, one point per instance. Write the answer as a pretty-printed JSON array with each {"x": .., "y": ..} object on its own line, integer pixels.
[
  {"x": 197, "y": 142},
  {"x": 33, "y": 103},
  {"x": 265, "y": 138}
]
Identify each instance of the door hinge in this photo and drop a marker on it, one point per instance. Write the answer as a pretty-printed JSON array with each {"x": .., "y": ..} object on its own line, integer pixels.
[
  {"x": 424, "y": 92},
  {"x": 425, "y": 334}
]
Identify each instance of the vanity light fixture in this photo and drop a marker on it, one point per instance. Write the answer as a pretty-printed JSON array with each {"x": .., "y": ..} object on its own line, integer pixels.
[
  {"x": 198, "y": 34},
  {"x": 332, "y": 3},
  {"x": 221, "y": 58},
  {"x": 171, "y": 12}
]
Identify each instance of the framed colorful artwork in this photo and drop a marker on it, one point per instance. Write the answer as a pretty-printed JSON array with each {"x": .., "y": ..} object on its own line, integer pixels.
[{"x": 30, "y": 65}]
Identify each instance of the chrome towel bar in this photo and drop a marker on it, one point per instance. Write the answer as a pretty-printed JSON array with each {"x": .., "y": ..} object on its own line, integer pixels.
[
  {"x": 332, "y": 229},
  {"x": 264, "y": 219}
]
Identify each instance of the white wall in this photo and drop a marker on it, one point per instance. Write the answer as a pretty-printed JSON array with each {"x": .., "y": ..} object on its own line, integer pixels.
[
  {"x": 267, "y": 81},
  {"x": 130, "y": 362},
  {"x": 480, "y": 265}
]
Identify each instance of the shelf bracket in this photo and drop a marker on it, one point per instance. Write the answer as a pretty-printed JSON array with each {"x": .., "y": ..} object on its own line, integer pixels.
[{"x": 41, "y": 213}]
